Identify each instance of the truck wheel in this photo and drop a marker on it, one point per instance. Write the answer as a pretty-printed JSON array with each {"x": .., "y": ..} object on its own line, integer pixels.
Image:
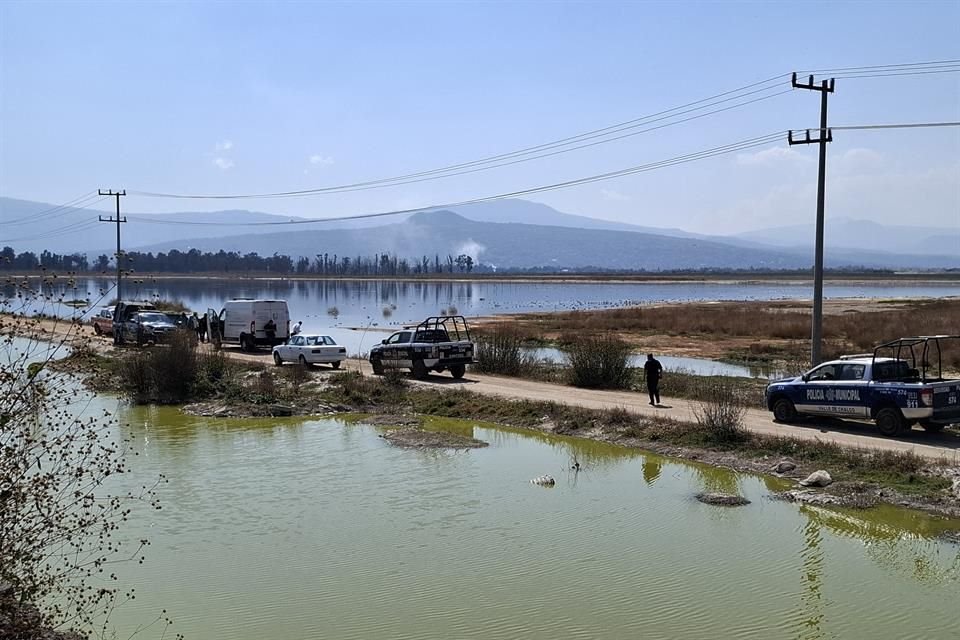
[
  {"x": 457, "y": 370},
  {"x": 784, "y": 411},
  {"x": 247, "y": 343},
  {"x": 932, "y": 427},
  {"x": 889, "y": 421},
  {"x": 277, "y": 360},
  {"x": 335, "y": 364},
  {"x": 419, "y": 370},
  {"x": 377, "y": 368}
]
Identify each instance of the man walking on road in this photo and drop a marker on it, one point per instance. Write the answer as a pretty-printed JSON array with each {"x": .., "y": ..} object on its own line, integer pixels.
[{"x": 652, "y": 370}]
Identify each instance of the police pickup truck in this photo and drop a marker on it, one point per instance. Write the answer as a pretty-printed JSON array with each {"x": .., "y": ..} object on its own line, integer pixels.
[
  {"x": 436, "y": 344},
  {"x": 900, "y": 384}
]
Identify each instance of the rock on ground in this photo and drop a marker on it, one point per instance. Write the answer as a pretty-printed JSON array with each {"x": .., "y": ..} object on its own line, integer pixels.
[
  {"x": 808, "y": 496},
  {"x": 783, "y": 466},
  {"x": 722, "y": 499},
  {"x": 817, "y": 479}
]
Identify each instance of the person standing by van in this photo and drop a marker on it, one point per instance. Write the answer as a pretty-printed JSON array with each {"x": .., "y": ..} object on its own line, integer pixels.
[{"x": 270, "y": 329}]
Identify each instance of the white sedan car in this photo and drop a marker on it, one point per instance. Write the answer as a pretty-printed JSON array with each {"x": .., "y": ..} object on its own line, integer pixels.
[{"x": 310, "y": 349}]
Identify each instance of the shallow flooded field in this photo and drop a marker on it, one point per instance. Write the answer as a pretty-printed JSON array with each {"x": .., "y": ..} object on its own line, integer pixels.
[
  {"x": 358, "y": 312},
  {"x": 310, "y": 529}
]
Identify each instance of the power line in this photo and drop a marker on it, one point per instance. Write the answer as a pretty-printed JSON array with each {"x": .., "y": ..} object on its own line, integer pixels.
[
  {"x": 741, "y": 145},
  {"x": 78, "y": 202},
  {"x": 836, "y": 70},
  {"x": 704, "y": 103},
  {"x": 905, "y": 125},
  {"x": 511, "y": 162},
  {"x": 891, "y": 75}
]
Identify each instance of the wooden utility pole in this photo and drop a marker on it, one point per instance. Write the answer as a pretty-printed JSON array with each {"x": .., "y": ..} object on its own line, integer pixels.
[
  {"x": 117, "y": 220},
  {"x": 825, "y": 136}
]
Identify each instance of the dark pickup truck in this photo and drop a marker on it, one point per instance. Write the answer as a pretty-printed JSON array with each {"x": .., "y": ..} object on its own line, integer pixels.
[
  {"x": 900, "y": 384},
  {"x": 437, "y": 344}
]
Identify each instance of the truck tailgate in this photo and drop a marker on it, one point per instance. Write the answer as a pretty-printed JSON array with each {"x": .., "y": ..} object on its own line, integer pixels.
[{"x": 946, "y": 399}]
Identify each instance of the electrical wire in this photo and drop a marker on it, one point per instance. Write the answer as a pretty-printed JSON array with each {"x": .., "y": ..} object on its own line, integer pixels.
[
  {"x": 741, "y": 145},
  {"x": 78, "y": 202},
  {"x": 74, "y": 227},
  {"x": 705, "y": 103},
  {"x": 882, "y": 66},
  {"x": 518, "y": 161},
  {"x": 906, "y": 125}
]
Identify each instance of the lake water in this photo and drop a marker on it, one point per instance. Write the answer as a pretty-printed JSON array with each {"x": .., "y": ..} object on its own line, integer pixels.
[
  {"x": 301, "y": 529},
  {"x": 365, "y": 309},
  {"x": 698, "y": 366}
]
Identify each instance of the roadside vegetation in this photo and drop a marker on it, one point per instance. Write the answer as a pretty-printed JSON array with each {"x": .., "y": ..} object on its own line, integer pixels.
[
  {"x": 598, "y": 362},
  {"x": 769, "y": 331},
  {"x": 719, "y": 431}
]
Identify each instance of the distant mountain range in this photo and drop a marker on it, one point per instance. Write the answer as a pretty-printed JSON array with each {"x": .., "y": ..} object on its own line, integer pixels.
[
  {"x": 506, "y": 233},
  {"x": 864, "y": 234}
]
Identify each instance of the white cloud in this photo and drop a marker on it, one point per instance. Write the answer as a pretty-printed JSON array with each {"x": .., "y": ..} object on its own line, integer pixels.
[
  {"x": 319, "y": 160},
  {"x": 222, "y": 163},
  {"x": 610, "y": 194},
  {"x": 773, "y": 156},
  {"x": 226, "y": 145}
]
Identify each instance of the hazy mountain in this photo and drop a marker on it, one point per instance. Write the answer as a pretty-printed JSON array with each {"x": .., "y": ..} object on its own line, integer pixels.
[
  {"x": 34, "y": 226},
  {"x": 525, "y": 245},
  {"x": 503, "y": 228},
  {"x": 526, "y": 212},
  {"x": 864, "y": 234}
]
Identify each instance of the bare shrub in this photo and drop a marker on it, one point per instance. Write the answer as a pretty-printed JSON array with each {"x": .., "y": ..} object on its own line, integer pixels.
[
  {"x": 720, "y": 408},
  {"x": 60, "y": 527},
  {"x": 500, "y": 350},
  {"x": 600, "y": 362}
]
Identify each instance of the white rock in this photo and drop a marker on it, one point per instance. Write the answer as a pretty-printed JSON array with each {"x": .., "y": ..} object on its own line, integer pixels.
[
  {"x": 818, "y": 478},
  {"x": 956, "y": 488}
]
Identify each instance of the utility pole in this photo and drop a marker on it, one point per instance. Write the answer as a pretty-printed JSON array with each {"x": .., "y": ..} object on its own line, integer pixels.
[
  {"x": 826, "y": 135},
  {"x": 117, "y": 220}
]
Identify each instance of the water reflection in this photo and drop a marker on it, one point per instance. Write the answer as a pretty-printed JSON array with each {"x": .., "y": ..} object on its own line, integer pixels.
[{"x": 266, "y": 522}]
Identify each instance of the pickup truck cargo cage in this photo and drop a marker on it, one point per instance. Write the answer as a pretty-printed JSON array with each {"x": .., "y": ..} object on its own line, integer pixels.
[
  {"x": 927, "y": 346},
  {"x": 434, "y": 328}
]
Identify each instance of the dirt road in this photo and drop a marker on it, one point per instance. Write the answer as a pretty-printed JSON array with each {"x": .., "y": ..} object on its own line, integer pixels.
[{"x": 847, "y": 433}]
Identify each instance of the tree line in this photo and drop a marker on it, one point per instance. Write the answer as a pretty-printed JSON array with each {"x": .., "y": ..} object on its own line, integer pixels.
[{"x": 195, "y": 261}]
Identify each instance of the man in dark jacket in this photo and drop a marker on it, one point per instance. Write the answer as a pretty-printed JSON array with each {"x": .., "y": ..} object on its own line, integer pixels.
[{"x": 652, "y": 371}]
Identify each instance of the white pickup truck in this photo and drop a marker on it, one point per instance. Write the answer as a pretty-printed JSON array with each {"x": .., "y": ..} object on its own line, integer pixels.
[{"x": 902, "y": 383}]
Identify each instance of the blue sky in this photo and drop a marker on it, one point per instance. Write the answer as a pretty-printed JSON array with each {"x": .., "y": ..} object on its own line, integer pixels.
[{"x": 252, "y": 97}]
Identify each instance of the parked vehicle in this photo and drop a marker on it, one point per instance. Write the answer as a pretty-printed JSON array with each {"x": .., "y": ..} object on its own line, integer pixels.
[
  {"x": 102, "y": 322},
  {"x": 148, "y": 327},
  {"x": 436, "y": 344},
  {"x": 900, "y": 384},
  {"x": 310, "y": 349},
  {"x": 123, "y": 312},
  {"x": 244, "y": 321}
]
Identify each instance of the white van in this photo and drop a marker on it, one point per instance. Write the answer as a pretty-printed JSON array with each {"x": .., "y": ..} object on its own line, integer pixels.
[{"x": 243, "y": 321}]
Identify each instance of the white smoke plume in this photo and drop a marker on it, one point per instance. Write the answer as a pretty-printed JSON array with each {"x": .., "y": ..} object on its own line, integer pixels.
[{"x": 472, "y": 249}]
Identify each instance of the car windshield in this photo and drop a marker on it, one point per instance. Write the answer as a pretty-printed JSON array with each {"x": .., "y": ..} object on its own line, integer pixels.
[
  {"x": 153, "y": 317},
  {"x": 320, "y": 340}
]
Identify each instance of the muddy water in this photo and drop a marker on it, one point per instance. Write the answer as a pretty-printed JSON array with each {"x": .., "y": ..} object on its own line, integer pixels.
[{"x": 318, "y": 529}]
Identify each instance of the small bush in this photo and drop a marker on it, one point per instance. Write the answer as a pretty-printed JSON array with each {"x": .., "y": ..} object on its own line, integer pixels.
[
  {"x": 720, "y": 408},
  {"x": 599, "y": 362},
  {"x": 501, "y": 351}
]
